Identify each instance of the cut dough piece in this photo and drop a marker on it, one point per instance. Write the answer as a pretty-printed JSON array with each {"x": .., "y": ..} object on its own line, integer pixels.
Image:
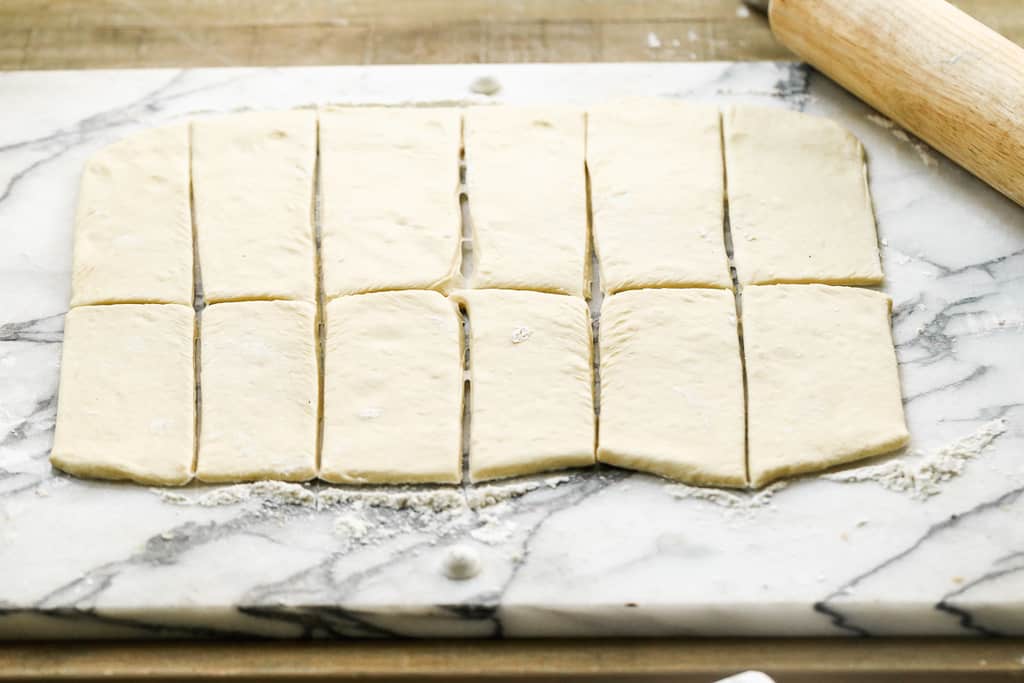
[
  {"x": 527, "y": 199},
  {"x": 392, "y": 389},
  {"x": 672, "y": 385},
  {"x": 252, "y": 179},
  {"x": 127, "y": 393},
  {"x": 822, "y": 382},
  {"x": 133, "y": 227},
  {"x": 531, "y": 393},
  {"x": 259, "y": 391},
  {"x": 657, "y": 195},
  {"x": 389, "y": 199},
  {"x": 799, "y": 207}
]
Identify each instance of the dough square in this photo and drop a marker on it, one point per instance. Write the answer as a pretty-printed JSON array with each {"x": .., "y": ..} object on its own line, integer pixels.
[
  {"x": 657, "y": 194},
  {"x": 799, "y": 204},
  {"x": 389, "y": 199},
  {"x": 259, "y": 389},
  {"x": 126, "y": 406},
  {"x": 672, "y": 385},
  {"x": 252, "y": 180},
  {"x": 526, "y": 185},
  {"x": 531, "y": 383},
  {"x": 822, "y": 382},
  {"x": 392, "y": 389},
  {"x": 133, "y": 226}
]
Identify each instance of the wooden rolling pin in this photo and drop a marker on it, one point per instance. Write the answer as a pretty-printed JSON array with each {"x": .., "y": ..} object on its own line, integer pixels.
[{"x": 949, "y": 79}]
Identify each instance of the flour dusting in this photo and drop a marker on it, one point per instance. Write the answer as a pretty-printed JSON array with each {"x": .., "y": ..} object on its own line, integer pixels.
[
  {"x": 273, "y": 492},
  {"x": 726, "y": 498},
  {"x": 922, "y": 478}
]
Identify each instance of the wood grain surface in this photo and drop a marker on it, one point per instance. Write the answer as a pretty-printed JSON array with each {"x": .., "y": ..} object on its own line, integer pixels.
[{"x": 79, "y": 34}]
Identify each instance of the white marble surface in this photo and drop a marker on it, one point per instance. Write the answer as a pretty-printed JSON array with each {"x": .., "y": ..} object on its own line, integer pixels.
[{"x": 597, "y": 552}]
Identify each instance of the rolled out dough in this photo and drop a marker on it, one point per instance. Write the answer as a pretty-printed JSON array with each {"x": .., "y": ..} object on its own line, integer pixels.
[
  {"x": 822, "y": 381},
  {"x": 252, "y": 180},
  {"x": 133, "y": 227},
  {"x": 531, "y": 387},
  {"x": 389, "y": 198},
  {"x": 127, "y": 393},
  {"x": 672, "y": 385},
  {"x": 527, "y": 194},
  {"x": 657, "y": 194},
  {"x": 392, "y": 389},
  {"x": 259, "y": 391},
  {"x": 799, "y": 207}
]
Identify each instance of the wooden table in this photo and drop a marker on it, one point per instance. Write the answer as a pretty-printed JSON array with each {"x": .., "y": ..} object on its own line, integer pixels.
[{"x": 75, "y": 34}]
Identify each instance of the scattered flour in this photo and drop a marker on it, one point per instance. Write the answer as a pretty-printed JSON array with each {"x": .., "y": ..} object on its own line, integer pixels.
[
  {"x": 273, "y": 492},
  {"x": 742, "y": 12},
  {"x": 923, "y": 151},
  {"x": 492, "y": 494},
  {"x": 521, "y": 334},
  {"x": 921, "y": 478},
  {"x": 485, "y": 85},
  {"x": 352, "y": 526},
  {"x": 727, "y": 498},
  {"x": 435, "y": 499},
  {"x": 493, "y": 529},
  {"x": 652, "y": 41},
  {"x": 900, "y": 135}
]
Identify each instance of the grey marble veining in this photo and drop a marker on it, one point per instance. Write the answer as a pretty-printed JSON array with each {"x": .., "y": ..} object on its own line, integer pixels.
[{"x": 598, "y": 552}]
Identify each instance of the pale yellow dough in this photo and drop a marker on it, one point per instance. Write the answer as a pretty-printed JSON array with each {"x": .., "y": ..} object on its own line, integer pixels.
[
  {"x": 799, "y": 207},
  {"x": 259, "y": 391},
  {"x": 133, "y": 227},
  {"x": 252, "y": 179},
  {"x": 672, "y": 385},
  {"x": 527, "y": 194},
  {"x": 822, "y": 382},
  {"x": 392, "y": 389},
  {"x": 531, "y": 386},
  {"x": 127, "y": 393},
  {"x": 657, "y": 194},
  {"x": 389, "y": 198}
]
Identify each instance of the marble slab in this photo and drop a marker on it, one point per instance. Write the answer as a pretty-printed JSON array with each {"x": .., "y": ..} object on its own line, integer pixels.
[{"x": 929, "y": 541}]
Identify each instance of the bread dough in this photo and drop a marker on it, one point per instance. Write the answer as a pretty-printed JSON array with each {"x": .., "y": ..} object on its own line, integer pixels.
[
  {"x": 133, "y": 227},
  {"x": 389, "y": 199},
  {"x": 672, "y": 385},
  {"x": 799, "y": 207},
  {"x": 527, "y": 199},
  {"x": 392, "y": 389},
  {"x": 127, "y": 393},
  {"x": 259, "y": 389},
  {"x": 822, "y": 382},
  {"x": 252, "y": 179},
  {"x": 531, "y": 387},
  {"x": 657, "y": 194}
]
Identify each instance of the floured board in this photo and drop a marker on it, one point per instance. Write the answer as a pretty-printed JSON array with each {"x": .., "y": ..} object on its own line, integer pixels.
[{"x": 925, "y": 542}]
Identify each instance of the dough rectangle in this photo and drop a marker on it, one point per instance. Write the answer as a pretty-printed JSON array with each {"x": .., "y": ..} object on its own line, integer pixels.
[
  {"x": 392, "y": 389},
  {"x": 252, "y": 179},
  {"x": 127, "y": 393},
  {"x": 672, "y": 385},
  {"x": 260, "y": 391},
  {"x": 527, "y": 195},
  {"x": 133, "y": 226},
  {"x": 822, "y": 382},
  {"x": 531, "y": 386},
  {"x": 389, "y": 198},
  {"x": 657, "y": 194},
  {"x": 799, "y": 205}
]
